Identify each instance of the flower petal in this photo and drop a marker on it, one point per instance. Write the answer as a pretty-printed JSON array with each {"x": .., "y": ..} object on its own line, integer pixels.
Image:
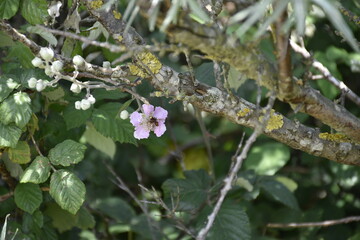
[
  {"x": 136, "y": 118},
  {"x": 160, "y": 129},
  {"x": 141, "y": 132},
  {"x": 148, "y": 109},
  {"x": 160, "y": 113}
]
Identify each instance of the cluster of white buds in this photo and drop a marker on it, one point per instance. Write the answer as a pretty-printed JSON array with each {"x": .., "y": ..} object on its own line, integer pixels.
[
  {"x": 76, "y": 88},
  {"x": 85, "y": 103},
  {"x": 47, "y": 54},
  {"x": 38, "y": 84}
]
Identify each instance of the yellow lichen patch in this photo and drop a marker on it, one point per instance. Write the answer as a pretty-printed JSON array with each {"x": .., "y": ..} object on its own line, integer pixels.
[
  {"x": 275, "y": 121},
  {"x": 150, "y": 61},
  {"x": 117, "y": 14},
  {"x": 243, "y": 112},
  {"x": 334, "y": 137},
  {"x": 96, "y": 4}
]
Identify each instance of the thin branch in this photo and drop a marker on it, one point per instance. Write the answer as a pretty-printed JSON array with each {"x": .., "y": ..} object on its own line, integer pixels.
[
  {"x": 326, "y": 73},
  {"x": 111, "y": 47},
  {"x": 314, "y": 224},
  {"x": 234, "y": 170}
]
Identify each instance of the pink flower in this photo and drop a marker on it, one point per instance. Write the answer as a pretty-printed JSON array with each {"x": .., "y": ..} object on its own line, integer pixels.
[{"x": 153, "y": 119}]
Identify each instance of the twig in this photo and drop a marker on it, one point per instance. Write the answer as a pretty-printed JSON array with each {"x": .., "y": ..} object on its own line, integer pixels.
[
  {"x": 326, "y": 73},
  {"x": 121, "y": 184},
  {"x": 314, "y": 224},
  {"x": 234, "y": 170},
  {"x": 111, "y": 47},
  {"x": 36, "y": 146},
  {"x": 6, "y": 196}
]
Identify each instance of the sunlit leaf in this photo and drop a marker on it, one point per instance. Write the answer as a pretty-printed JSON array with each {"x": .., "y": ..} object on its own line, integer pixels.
[
  {"x": 100, "y": 142},
  {"x": 34, "y": 11},
  {"x": 67, "y": 190},
  {"x": 20, "y": 153},
  {"x": 66, "y": 153},
  {"x": 38, "y": 171},
  {"x": 16, "y": 109},
  {"x": 9, "y": 135}
]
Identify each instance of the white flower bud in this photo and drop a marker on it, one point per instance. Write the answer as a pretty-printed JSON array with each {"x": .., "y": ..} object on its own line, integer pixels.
[
  {"x": 85, "y": 104},
  {"x": 37, "y": 62},
  {"x": 57, "y": 66},
  {"x": 46, "y": 53},
  {"x": 91, "y": 99},
  {"x": 49, "y": 72},
  {"x": 78, "y": 60},
  {"x": 40, "y": 85},
  {"x": 75, "y": 88},
  {"x": 124, "y": 114},
  {"x": 32, "y": 82},
  {"x": 78, "y": 105},
  {"x": 106, "y": 64},
  {"x": 54, "y": 10}
]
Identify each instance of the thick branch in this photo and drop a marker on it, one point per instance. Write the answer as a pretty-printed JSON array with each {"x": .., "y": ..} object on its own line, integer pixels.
[
  {"x": 219, "y": 102},
  {"x": 252, "y": 64}
]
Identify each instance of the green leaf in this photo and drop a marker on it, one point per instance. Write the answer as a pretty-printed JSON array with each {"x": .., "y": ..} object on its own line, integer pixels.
[
  {"x": 9, "y": 135},
  {"x": 100, "y": 142},
  {"x": 16, "y": 109},
  {"x": 191, "y": 192},
  {"x": 21, "y": 53},
  {"x": 205, "y": 73},
  {"x": 278, "y": 192},
  {"x": 100, "y": 94},
  {"x": 231, "y": 223},
  {"x": 38, "y": 171},
  {"x": 5, "y": 90},
  {"x": 28, "y": 197},
  {"x": 85, "y": 219},
  {"x": 108, "y": 124},
  {"x": 268, "y": 158},
  {"x": 8, "y": 8},
  {"x": 34, "y": 11},
  {"x": 54, "y": 94},
  {"x": 49, "y": 37},
  {"x": 62, "y": 220},
  {"x": 67, "y": 190},
  {"x": 21, "y": 153},
  {"x": 66, "y": 153},
  {"x": 115, "y": 208},
  {"x": 75, "y": 118}
]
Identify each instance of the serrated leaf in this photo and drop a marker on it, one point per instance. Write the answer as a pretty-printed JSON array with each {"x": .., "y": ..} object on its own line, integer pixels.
[
  {"x": 8, "y": 8},
  {"x": 278, "y": 192},
  {"x": 268, "y": 158},
  {"x": 9, "y": 135},
  {"x": 66, "y": 153},
  {"x": 28, "y": 197},
  {"x": 38, "y": 171},
  {"x": 108, "y": 124},
  {"x": 34, "y": 11},
  {"x": 67, "y": 190},
  {"x": 14, "y": 168},
  {"x": 231, "y": 223},
  {"x": 16, "y": 109},
  {"x": 21, "y": 153},
  {"x": 99, "y": 141},
  {"x": 54, "y": 94},
  {"x": 115, "y": 208},
  {"x": 49, "y": 37},
  {"x": 189, "y": 193},
  {"x": 75, "y": 118}
]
